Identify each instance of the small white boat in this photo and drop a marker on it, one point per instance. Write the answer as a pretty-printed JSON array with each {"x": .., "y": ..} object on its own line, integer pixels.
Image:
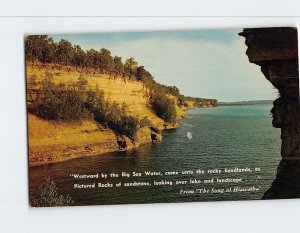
[{"x": 189, "y": 135}]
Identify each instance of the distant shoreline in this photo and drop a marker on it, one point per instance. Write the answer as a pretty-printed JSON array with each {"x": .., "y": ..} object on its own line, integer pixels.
[{"x": 250, "y": 102}]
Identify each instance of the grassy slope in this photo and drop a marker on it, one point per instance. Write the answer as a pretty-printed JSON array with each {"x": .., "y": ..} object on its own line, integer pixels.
[{"x": 51, "y": 141}]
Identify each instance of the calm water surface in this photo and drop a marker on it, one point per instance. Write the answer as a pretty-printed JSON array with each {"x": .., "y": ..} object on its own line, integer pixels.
[{"x": 223, "y": 137}]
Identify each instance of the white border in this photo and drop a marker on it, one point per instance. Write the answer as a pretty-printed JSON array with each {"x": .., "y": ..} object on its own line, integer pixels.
[
  {"x": 150, "y": 8},
  {"x": 15, "y": 214}
]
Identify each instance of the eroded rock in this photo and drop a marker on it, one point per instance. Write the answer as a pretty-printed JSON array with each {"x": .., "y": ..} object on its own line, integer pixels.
[{"x": 275, "y": 50}]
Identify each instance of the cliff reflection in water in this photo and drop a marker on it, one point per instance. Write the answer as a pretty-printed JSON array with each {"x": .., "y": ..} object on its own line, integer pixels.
[{"x": 276, "y": 51}]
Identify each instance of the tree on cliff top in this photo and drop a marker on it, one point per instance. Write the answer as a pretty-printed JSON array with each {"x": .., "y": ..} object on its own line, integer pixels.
[
  {"x": 118, "y": 65},
  {"x": 130, "y": 67},
  {"x": 79, "y": 58},
  {"x": 105, "y": 60},
  {"x": 65, "y": 52}
]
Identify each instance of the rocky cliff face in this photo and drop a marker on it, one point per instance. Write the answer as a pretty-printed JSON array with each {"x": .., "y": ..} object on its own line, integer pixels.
[
  {"x": 56, "y": 141},
  {"x": 275, "y": 50}
]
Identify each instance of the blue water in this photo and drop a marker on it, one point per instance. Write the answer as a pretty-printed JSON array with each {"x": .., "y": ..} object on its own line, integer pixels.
[{"x": 222, "y": 137}]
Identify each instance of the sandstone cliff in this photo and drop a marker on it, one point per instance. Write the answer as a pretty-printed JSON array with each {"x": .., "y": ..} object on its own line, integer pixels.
[
  {"x": 54, "y": 141},
  {"x": 276, "y": 51}
]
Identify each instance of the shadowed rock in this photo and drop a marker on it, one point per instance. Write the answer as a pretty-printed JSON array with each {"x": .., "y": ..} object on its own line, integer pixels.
[{"x": 275, "y": 50}]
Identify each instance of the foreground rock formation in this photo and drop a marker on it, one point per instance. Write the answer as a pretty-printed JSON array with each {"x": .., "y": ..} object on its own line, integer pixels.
[{"x": 275, "y": 50}]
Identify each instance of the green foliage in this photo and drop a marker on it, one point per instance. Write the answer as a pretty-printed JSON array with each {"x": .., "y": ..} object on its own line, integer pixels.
[
  {"x": 198, "y": 102},
  {"x": 41, "y": 48},
  {"x": 145, "y": 122},
  {"x": 58, "y": 105},
  {"x": 65, "y": 52},
  {"x": 163, "y": 106},
  {"x": 56, "y": 102},
  {"x": 172, "y": 90},
  {"x": 130, "y": 67},
  {"x": 95, "y": 103},
  {"x": 125, "y": 125},
  {"x": 82, "y": 83},
  {"x": 79, "y": 56},
  {"x": 47, "y": 196},
  {"x": 185, "y": 104},
  {"x": 91, "y": 58},
  {"x": 119, "y": 121},
  {"x": 67, "y": 107},
  {"x": 118, "y": 65},
  {"x": 105, "y": 60},
  {"x": 145, "y": 76}
]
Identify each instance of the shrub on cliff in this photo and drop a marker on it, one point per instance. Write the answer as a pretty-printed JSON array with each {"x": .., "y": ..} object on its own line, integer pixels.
[
  {"x": 82, "y": 83},
  {"x": 129, "y": 126},
  {"x": 111, "y": 114},
  {"x": 67, "y": 107},
  {"x": 47, "y": 196},
  {"x": 118, "y": 120},
  {"x": 95, "y": 103},
  {"x": 164, "y": 107},
  {"x": 54, "y": 103}
]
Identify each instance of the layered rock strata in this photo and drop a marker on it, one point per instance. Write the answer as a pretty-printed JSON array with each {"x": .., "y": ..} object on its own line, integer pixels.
[{"x": 275, "y": 50}]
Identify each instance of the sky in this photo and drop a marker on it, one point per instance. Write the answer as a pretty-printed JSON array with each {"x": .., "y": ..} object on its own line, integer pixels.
[{"x": 201, "y": 63}]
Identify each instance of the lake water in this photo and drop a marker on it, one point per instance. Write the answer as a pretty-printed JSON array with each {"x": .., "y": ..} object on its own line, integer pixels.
[{"x": 222, "y": 137}]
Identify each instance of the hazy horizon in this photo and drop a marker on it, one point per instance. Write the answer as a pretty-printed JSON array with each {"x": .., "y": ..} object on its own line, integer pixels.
[{"x": 201, "y": 63}]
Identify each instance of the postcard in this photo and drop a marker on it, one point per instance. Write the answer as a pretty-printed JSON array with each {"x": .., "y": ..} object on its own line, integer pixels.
[{"x": 163, "y": 116}]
